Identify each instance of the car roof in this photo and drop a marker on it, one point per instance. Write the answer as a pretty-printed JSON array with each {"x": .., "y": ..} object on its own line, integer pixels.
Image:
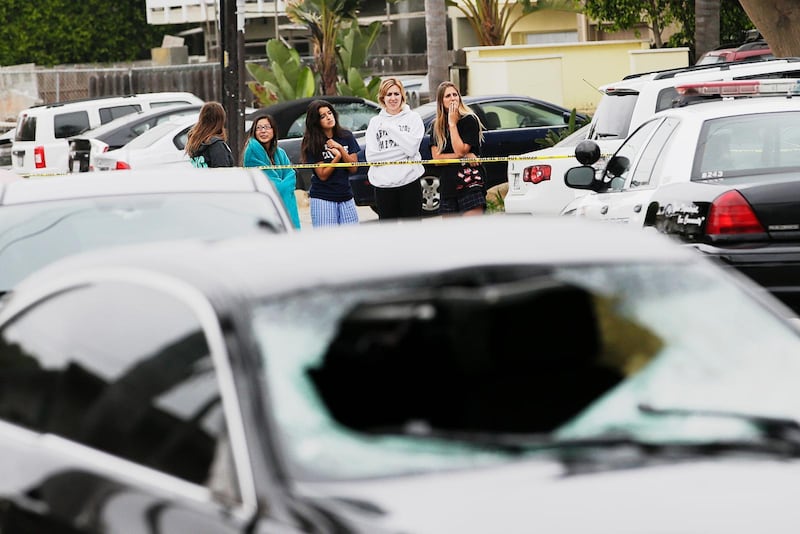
[
  {"x": 136, "y": 116},
  {"x": 428, "y": 110},
  {"x": 710, "y": 109},
  {"x": 287, "y": 111},
  {"x": 158, "y": 131},
  {"x": 271, "y": 265},
  {"x": 113, "y": 183},
  {"x": 728, "y": 69}
]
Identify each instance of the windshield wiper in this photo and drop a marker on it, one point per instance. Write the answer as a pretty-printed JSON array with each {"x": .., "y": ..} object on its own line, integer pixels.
[
  {"x": 505, "y": 441},
  {"x": 783, "y": 429}
]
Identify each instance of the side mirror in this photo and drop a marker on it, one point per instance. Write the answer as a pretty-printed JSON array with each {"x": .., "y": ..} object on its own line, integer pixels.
[{"x": 581, "y": 178}]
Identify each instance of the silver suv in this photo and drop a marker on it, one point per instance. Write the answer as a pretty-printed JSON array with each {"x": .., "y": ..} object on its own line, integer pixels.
[{"x": 41, "y": 143}]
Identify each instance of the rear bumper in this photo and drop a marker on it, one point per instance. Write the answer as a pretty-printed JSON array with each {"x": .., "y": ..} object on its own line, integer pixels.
[{"x": 774, "y": 267}]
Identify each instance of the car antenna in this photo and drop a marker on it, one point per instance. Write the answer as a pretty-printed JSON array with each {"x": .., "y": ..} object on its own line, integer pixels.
[{"x": 592, "y": 86}]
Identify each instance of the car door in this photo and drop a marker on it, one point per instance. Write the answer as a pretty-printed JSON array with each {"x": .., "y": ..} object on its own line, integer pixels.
[
  {"x": 118, "y": 418},
  {"x": 631, "y": 204},
  {"x": 615, "y": 203},
  {"x": 513, "y": 127}
]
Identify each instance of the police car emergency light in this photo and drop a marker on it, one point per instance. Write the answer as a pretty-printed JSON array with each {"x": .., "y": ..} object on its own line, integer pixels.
[{"x": 784, "y": 87}]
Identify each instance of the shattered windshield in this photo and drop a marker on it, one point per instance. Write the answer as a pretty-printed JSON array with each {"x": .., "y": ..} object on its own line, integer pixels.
[{"x": 474, "y": 369}]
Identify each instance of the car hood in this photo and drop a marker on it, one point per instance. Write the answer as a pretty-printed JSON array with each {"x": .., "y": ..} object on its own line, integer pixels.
[{"x": 725, "y": 496}]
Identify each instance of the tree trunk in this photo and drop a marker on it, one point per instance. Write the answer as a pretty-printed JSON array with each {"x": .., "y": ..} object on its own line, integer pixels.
[
  {"x": 706, "y": 26},
  {"x": 436, "y": 39},
  {"x": 779, "y": 23}
]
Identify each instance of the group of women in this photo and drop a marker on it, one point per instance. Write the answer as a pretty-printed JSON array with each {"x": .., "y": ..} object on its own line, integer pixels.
[{"x": 393, "y": 138}]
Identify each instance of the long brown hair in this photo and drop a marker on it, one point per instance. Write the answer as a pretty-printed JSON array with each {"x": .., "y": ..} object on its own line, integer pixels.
[
  {"x": 210, "y": 123},
  {"x": 272, "y": 145},
  {"x": 314, "y": 138},
  {"x": 440, "y": 123}
]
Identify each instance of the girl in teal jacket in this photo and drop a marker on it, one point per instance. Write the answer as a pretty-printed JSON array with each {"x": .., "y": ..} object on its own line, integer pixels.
[{"x": 262, "y": 150}]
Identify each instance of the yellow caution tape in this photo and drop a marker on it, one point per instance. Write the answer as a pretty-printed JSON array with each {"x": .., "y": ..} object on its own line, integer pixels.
[{"x": 437, "y": 162}]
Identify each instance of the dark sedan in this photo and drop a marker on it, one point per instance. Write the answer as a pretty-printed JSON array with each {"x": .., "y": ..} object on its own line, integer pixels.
[
  {"x": 563, "y": 377},
  {"x": 513, "y": 125},
  {"x": 354, "y": 115}
]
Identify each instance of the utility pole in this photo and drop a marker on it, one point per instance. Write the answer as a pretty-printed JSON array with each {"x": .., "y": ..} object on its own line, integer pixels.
[{"x": 232, "y": 63}]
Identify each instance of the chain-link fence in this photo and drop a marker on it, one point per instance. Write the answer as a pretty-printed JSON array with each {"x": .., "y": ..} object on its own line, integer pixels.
[{"x": 23, "y": 86}]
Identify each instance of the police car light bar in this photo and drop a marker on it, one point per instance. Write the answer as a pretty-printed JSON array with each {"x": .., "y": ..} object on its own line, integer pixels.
[{"x": 785, "y": 87}]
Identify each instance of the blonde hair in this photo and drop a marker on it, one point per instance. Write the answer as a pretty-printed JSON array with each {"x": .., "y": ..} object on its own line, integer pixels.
[
  {"x": 440, "y": 123},
  {"x": 386, "y": 85}
]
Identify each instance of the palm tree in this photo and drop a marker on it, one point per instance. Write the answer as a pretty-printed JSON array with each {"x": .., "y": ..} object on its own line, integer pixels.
[
  {"x": 492, "y": 21},
  {"x": 706, "y": 26},
  {"x": 324, "y": 19},
  {"x": 436, "y": 39}
]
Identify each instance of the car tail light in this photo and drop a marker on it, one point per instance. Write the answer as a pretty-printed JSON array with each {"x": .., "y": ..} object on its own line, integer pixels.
[
  {"x": 38, "y": 157},
  {"x": 536, "y": 173},
  {"x": 730, "y": 214},
  {"x": 121, "y": 166}
]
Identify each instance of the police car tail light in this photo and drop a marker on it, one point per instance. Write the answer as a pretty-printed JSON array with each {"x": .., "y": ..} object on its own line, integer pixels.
[
  {"x": 121, "y": 166},
  {"x": 38, "y": 157},
  {"x": 742, "y": 88},
  {"x": 731, "y": 214},
  {"x": 536, "y": 173}
]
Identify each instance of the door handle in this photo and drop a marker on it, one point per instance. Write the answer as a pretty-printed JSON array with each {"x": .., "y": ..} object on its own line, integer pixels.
[
  {"x": 637, "y": 208},
  {"x": 603, "y": 210}
]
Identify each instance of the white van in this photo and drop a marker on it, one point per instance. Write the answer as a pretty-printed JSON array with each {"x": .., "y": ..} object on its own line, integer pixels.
[{"x": 41, "y": 143}]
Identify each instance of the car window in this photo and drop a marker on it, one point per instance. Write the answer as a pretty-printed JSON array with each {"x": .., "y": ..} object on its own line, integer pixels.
[
  {"x": 69, "y": 124},
  {"x": 510, "y": 114},
  {"x": 612, "y": 118},
  {"x": 110, "y": 113},
  {"x": 353, "y": 116},
  {"x": 26, "y": 128},
  {"x": 665, "y": 98},
  {"x": 770, "y": 144},
  {"x": 649, "y": 159},
  {"x": 621, "y": 164},
  {"x": 137, "y": 382}
]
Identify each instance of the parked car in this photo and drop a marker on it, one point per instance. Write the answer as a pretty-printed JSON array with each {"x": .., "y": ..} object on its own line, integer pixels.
[
  {"x": 6, "y": 139},
  {"x": 435, "y": 387},
  {"x": 720, "y": 175},
  {"x": 535, "y": 184},
  {"x": 513, "y": 125},
  {"x": 754, "y": 47},
  {"x": 47, "y": 218},
  {"x": 354, "y": 115},
  {"x": 40, "y": 143},
  {"x": 165, "y": 144},
  {"x": 624, "y": 106},
  {"x": 161, "y": 146},
  {"x": 118, "y": 133}
]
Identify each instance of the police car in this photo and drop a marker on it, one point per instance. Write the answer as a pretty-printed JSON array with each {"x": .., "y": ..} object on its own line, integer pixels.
[{"x": 723, "y": 176}]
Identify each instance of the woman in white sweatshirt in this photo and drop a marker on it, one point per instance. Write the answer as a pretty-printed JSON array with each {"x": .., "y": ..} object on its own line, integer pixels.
[{"x": 394, "y": 135}]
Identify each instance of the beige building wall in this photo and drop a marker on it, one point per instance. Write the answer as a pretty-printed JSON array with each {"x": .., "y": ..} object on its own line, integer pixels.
[{"x": 567, "y": 74}]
